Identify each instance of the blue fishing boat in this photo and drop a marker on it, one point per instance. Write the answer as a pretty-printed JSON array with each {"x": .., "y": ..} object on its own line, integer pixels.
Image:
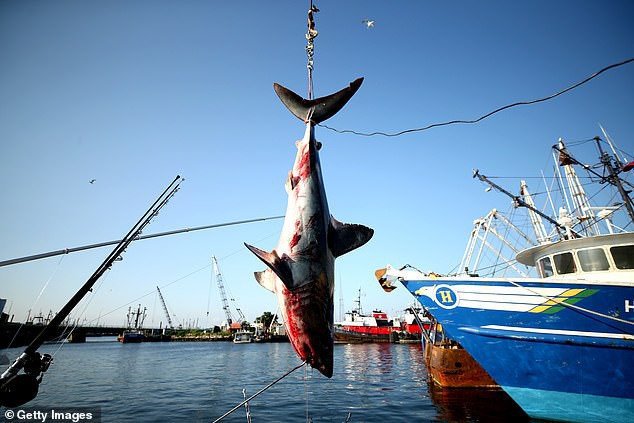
[{"x": 559, "y": 341}]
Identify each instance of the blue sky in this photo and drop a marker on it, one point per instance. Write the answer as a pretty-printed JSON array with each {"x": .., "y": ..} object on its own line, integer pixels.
[{"x": 133, "y": 93}]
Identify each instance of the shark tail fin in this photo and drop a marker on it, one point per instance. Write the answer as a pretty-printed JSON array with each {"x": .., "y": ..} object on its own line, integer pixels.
[
  {"x": 345, "y": 237},
  {"x": 319, "y": 109}
]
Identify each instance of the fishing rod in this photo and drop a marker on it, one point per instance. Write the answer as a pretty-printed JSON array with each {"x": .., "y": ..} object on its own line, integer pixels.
[
  {"x": 19, "y": 388},
  {"x": 104, "y": 244}
]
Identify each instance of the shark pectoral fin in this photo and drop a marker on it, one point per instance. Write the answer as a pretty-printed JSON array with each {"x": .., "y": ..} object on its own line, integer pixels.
[
  {"x": 275, "y": 263},
  {"x": 291, "y": 182},
  {"x": 345, "y": 237},
  {"x": 266, "y": 278},
  {"x": 288, "y": 186}
]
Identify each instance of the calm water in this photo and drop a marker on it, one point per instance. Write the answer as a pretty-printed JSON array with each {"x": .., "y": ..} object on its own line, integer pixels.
[{"x": 199, "y": 382}]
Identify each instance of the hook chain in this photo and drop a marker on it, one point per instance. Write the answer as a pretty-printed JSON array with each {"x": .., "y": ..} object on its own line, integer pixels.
[{"x": 311, "y": 34}]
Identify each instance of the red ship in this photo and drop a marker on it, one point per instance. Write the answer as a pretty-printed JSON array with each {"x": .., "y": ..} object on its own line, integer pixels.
[{"x": 358, "y": 327}]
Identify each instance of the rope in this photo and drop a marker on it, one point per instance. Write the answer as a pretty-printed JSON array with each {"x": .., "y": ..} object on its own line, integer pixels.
[
  {"x": 452, "y": 122},
  {"x": 259, "y": 392}
]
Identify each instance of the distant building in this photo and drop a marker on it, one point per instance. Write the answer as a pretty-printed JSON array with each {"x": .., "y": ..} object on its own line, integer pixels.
[{"x": 278, "y": 329}]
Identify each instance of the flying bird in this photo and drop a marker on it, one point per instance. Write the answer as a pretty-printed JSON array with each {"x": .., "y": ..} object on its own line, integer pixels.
[
  {"x": 369, "y": 24},
  {"x": 92, "y": 181}
]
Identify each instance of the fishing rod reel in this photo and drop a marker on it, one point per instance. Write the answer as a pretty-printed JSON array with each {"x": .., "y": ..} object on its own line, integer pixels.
[{"x": 16, "y": 388}]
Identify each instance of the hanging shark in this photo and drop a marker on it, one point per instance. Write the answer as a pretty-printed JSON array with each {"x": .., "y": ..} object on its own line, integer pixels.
[{"x": 301, "y": 269}]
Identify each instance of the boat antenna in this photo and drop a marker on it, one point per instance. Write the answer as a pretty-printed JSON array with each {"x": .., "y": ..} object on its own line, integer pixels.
[
  {"x": 520, "y": 202},
  {"x": 19, "y": 388}
]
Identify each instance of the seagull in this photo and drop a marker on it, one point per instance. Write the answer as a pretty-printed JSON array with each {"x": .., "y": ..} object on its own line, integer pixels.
[
  {"x": 92, "y": 181},
  {"x": 369, "y": 23}
]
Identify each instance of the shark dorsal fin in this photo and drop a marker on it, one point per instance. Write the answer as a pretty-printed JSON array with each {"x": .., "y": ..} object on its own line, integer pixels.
[{"x": 345, "y": 237}]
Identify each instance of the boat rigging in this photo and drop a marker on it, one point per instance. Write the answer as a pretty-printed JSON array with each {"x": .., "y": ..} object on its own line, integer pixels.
[
  {"x": 134, "y": 332},
  {"x": 518, "y": 200},
  {"x": 540, "y": 338}
]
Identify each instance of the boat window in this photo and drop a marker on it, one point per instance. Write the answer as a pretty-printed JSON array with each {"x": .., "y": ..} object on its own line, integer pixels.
[
  {"x": 545, "y": 267},
  {"x": 593, "y": 260},
  {"x": 564, "y": 263},
  {"x": 623, "y": 256}
]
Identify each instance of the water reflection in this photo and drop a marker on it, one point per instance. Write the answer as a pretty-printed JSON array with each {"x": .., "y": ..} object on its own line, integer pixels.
[
  {"x": 475, "y": 405},
  {"x": 201, "y": 381},
  {"x": 412, "y": 355},
  {"x": 369, "y": 363}
]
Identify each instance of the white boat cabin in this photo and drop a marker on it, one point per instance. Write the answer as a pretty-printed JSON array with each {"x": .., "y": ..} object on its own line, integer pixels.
[{"x": 612, "y": 253}]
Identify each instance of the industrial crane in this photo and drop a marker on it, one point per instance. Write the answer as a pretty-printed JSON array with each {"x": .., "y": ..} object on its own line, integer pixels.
[
  {"x": 223, "y": 295},
  {"x": 169, "y": 319}
]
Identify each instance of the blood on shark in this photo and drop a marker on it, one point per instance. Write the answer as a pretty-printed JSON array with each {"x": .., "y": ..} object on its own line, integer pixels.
[{"x": 301, "y": 268}]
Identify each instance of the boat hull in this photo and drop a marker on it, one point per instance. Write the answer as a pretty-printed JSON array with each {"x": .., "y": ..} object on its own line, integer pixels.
[
  {"x": 243, "y": 338},
  {"x": 452, "y": 367},
  {"x": 343, "y": 336},
  {"x": 540, "y": 342},
  {"x": 131, "y": 337}
]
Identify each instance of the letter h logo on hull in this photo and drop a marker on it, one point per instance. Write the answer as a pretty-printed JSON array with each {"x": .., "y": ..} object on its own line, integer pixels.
[{"x": 445, "y": 297}]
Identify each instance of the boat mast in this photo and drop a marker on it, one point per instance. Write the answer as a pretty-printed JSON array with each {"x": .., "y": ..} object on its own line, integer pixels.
[
  {"x": 577, "y": 193},
  {"x": 614, "y": 179},
  {"x": 358, "y": 301},
  {"x": 128, "y": 318},
  {"x": 536, "y": 220},
  {"x": 140, "y": 316}
]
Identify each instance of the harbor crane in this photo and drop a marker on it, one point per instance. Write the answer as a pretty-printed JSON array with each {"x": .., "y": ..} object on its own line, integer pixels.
[
  {"x": 223, "y": 295},
  {"x": 170, "y": 325}
]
